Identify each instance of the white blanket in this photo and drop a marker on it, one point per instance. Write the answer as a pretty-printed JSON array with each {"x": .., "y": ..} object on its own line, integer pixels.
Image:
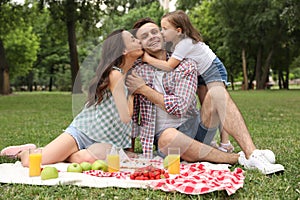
[{"x": 16, "y": 173}]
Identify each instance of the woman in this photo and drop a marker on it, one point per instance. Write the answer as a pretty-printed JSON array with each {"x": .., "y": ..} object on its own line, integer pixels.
[{"x": 106, "y": 118}]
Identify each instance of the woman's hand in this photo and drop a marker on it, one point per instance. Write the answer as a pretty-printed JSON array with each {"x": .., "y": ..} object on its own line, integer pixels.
[{"x": 134, "y": 83}]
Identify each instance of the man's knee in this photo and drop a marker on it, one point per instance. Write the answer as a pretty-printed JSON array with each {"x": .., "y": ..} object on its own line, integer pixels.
[{"x": 166, "y": 137}]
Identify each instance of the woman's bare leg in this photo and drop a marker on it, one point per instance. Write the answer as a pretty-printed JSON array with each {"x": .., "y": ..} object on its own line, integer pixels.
[
  {"x": 56, "y": 151},
  {"x": 81, "y": 156}
]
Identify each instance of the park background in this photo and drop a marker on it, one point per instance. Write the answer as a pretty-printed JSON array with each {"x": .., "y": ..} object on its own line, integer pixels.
[{"x": 44, "y": 44}]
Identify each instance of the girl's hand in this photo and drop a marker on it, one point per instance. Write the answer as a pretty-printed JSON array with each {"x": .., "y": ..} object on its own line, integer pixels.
[{"x": 146, "y": 57}]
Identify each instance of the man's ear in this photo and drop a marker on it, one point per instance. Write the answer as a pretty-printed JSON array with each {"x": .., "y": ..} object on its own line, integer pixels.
[{"x": 125, "y": 52}]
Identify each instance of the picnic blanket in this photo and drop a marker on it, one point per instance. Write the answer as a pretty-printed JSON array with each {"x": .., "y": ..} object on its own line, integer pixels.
[{"x": 194, "y": 178}]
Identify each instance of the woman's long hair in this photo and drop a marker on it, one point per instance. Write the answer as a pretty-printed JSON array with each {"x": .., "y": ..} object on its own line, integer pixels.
[
  {"x": 112, "y": 55},
  {"x": 180, "y": 19}
]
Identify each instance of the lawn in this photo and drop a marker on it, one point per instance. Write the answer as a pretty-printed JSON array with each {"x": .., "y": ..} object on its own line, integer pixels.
[{"x": 273, "y": 118}]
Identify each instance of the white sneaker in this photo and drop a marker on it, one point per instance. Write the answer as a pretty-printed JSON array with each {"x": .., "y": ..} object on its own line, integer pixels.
[
  {"x": 243, "y": 160},
  {"x": 257, "y": 160},
  {"x": 268, "y": 154}
]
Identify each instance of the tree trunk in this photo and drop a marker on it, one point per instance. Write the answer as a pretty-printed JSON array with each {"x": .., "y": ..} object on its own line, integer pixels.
[
  {"x": 51, "y": 79},
  {"x": 266, "y": 69},
  {"x": 74, "y": 58},
  {"x": 4, "y": 72},
  {"x": 287, "y": 69},
  {"x": 280, "y": 79},
  {"x": 30, "y": 80},
  {"x": 245, "y": 69},
  {"x": 71, "y": 20},
  {"x": 232, "y": 81},
  {"x": 252, "y": 78},
  {"x": 262, "y": 70},
  {"x": 258, "y": 69},
  {"x": 286, "y": 83}
]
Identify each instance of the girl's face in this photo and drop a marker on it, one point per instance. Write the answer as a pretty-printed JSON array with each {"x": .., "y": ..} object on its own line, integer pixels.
[
  {"x": 133, "y": 46},
  {"x": 169, "y": 32}
]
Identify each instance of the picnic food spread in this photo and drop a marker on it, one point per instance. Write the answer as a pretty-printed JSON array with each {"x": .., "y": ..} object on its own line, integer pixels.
[{"x": 194, "y": 178}]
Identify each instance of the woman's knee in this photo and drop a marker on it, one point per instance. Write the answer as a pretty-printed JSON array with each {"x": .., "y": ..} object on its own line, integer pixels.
[{"x": 82, "y": 156}]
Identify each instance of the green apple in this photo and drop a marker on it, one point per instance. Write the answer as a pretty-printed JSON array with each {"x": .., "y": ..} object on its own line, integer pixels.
[
  {"x": 74, "y": 167},
  {"x": 49, "y": 173},
  {"x": 165, "y": 163},
  {"x": 100, "y": 165},
  {"x": 86, "y": 166}
]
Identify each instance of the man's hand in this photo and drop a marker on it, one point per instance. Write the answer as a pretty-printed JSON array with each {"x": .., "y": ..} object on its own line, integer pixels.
[{"x": 134, "y": 83}]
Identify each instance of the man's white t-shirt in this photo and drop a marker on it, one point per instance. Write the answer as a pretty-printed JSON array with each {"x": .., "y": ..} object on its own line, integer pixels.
[
  {"x": 199, "y": 52},
  {"x": 163, "y": 119}
]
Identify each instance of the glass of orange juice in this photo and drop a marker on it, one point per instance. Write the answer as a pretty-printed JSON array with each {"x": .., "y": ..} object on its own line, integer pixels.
[
  {"x": 174, "y": 160},
  {"x": 35, "y": 162},
  {"x": 113, "y": 159}
]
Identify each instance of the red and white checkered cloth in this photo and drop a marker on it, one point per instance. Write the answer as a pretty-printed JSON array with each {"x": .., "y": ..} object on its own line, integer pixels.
[{"x": 196, "y": 179}]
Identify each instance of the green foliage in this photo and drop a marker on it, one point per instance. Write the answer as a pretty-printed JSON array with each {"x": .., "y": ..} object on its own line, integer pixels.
[
  {"x": 255, "y": 26},
  {"x": 62, "y": 79},
  {"x": 21, "y": 47},
  {"x": 35, "y": 34},
  {"x": 152, "y": 10},
  {"x": 291, "y": 15},
  {"x": 188, "y": 4},
  {"x": 296, "y": 62},
  {"x": 10, "y": 17},
  {"x": 295, "y": 73}
]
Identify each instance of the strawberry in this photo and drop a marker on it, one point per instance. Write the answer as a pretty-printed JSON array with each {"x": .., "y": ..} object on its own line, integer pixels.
[
  {"x": 146, "y": 173},
  {"x": 132, "y": 177},
  {"x": 166, "y": 175}
]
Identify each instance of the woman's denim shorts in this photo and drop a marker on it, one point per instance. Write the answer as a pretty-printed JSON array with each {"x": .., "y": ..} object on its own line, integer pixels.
[{"x": 82, "y": 140}]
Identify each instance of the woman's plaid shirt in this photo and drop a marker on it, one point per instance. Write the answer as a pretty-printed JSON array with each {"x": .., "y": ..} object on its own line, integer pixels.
[{"x": 180, "y": 99}]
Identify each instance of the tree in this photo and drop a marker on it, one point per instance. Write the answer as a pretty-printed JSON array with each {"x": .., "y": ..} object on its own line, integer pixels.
[
  {"x": 289, "y": 51},
  {"x": 152, "y": 10},
  {"x": 88, "y": 14},
  {"x": 257, "y": 32},
  {"x": 21, "y": 48},
  {"x": 4, "y": 73},
  {"x": 5, "y": 11},
  {"x": 52, "y": 60},
  {"x": 18, "y": 44}
]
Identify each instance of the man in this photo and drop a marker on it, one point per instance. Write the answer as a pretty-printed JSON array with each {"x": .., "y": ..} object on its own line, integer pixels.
[{"x": 169, "y": 117}]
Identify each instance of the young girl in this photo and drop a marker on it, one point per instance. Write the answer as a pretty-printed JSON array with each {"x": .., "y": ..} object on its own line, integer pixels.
[
  {"x": 187, "y": 43},
  {"x": 106, "y": 118}
]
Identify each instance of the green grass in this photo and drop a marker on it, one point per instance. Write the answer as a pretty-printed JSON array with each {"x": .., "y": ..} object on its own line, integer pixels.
[{"x": 273, "y": 118}]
